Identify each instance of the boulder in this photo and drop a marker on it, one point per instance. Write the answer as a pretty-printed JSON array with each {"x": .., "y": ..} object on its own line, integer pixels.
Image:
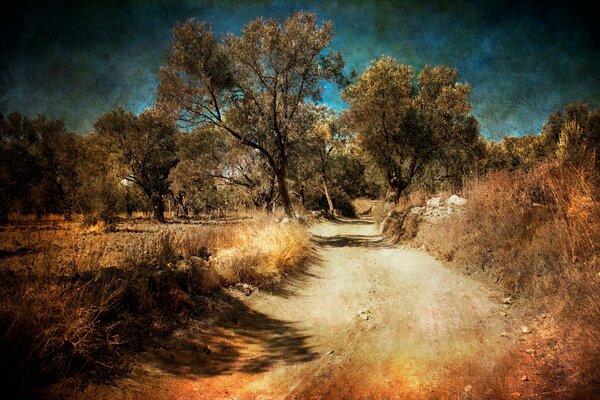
[
  {"x": 455, "y": 200},
  {"x": 434, "y": 202}
]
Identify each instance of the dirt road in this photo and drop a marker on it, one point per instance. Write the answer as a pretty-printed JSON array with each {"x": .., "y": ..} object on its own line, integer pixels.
[{"x": 365, "y": 320}]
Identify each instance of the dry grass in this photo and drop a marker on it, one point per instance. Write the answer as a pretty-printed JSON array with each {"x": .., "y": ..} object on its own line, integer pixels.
[
  {"x": 71, "y": 297},
  {"x": 262, "y": 253},
  {"x": 537, "y": 234}
]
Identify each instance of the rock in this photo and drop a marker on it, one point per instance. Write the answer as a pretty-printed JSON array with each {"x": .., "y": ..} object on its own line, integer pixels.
[
  {"x": 245, "y": 288},
  {"x": 558, "y": 371},
  {"x": 163, "y": 353},
  {"x": 183, "y": 266},
  {"x": 330, "y": 352},
  {"x": 455, "y": 200},
  {"x": 525, "y": 329},
  {"x": 364, "y": 314},
  {"x": 202, "y": 348},
  {"x": 468, "y": 388},
  {"x": 507, "y": 300},
  {"x": 503, "y": 314},
  {"x": 199, "y": 262},
  {"x": 504, "y": 334},
  {"x": 401, "y": 225},
  {"x": 524, "y": 378},
  {"x": 285, "y": 220},
  {"x": 530, "y": 351},
  {"x": 434, "y": 202}
]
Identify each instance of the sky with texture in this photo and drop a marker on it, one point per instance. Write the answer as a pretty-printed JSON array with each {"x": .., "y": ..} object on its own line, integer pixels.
[{"x": 76, "y": 60}]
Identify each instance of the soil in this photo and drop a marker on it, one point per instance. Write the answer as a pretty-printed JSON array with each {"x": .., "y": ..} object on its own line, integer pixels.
[{"x": 366, "y": 320}]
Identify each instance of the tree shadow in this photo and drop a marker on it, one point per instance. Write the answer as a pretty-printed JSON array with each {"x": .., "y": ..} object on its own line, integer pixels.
[
  {"x": 237, "y": 339},
  {"x": 298, "y": 278},
  {"x": 351, "y": 221},
  {"x": 367, "y": 241}
]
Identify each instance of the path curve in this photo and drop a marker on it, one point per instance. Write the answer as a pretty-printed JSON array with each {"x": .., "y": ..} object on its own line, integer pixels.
[{"x": 366, "y": 320}]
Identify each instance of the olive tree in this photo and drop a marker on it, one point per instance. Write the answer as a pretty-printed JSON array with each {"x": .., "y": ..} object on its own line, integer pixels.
[
  {"x": 251, "y": 86},
  {"x": 147, "y": 146},
  {"x": 403, "y": 126}
]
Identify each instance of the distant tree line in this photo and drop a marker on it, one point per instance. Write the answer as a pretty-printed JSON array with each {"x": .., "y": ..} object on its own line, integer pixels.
[{"x": 238, "y": 122}]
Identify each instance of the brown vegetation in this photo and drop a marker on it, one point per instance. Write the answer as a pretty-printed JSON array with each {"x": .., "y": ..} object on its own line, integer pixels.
[
  {"x": 76, "y": 300},
  {"x": 535, "y": 233}
]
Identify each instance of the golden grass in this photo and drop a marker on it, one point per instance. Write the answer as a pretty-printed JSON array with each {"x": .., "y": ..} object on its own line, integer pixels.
[
  {"x": 262, "y": 253},
  {"x": 536, "y": 233},
  {"x": 68, "y": 292}
]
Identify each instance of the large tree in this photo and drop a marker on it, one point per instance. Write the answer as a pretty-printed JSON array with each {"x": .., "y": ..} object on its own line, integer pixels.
[
  {"x": 147, "y": 146},
  {"x": 403, "y": 126},
  {"x": 251, "y": 86}
]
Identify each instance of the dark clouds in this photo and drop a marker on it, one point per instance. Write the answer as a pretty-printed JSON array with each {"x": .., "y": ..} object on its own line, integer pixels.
[{"x": 75, "y": 59}]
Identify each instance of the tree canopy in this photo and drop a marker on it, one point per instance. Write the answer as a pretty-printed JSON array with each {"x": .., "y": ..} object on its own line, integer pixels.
[
  {"x": 403, "y": 126},
  {"x": 252, "y": 86}
]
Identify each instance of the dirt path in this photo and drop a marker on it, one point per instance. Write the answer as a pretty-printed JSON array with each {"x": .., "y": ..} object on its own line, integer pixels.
[{"x": 365, "y": 321}]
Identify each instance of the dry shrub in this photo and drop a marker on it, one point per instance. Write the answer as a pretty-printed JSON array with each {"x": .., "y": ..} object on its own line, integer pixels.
[
  {"x": 416, "y": 197},
  {"x": 262, "y": 252},
  {"x": 537, "y": 233},
  {"x": 54, "y": 325}
]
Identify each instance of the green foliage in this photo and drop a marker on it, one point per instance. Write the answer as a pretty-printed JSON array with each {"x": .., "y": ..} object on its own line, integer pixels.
[
  {"x": 404, "y": 127},
  {"x": 253, "y": 86},
  {"x": 146, "y": 145}
]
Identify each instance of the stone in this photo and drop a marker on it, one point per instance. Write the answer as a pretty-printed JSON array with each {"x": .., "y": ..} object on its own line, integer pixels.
[
  {"x": 530, "y": 351},
  {"x": 183, "y": 266},
  {"x": 202, "y": 348},
  {"x": 434, "y": 202},
  {"x": 504, "y": 334},
  {"x": 525, "y": 329},
  {"x": 245, "y": 288},
  {"x": 163, "y": 353},
  {"x": 330, "y": 352},
  {"x": 455, "y": 200},
  {"x": 524, "y": 378},
  {"x": 507, "y": 300},
  {"x": 199, "y": 262}
]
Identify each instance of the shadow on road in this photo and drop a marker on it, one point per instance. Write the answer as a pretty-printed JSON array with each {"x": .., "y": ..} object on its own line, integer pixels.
[
  {"x": 367, "y": 241},
  {"x": 237, "y": 339}
]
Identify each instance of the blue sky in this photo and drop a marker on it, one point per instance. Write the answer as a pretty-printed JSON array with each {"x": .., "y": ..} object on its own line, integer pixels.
[{"x": 75, "y": 60}]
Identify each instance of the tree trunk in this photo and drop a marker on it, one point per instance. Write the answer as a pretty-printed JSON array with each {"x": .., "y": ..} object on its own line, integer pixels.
[
  {"x": 397, "y": 188},
  {"x": 158, "y": 206},
  {"x": 328, "y": 197},
  {"x": 284, "y": 193}
]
